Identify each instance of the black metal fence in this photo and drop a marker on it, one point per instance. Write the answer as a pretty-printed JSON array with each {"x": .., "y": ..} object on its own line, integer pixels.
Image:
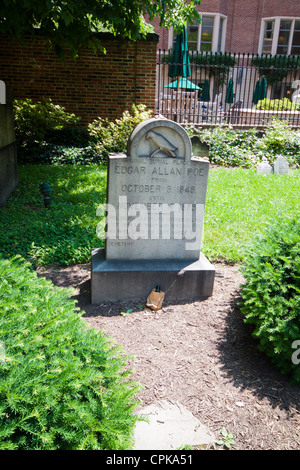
[{"x": 237, "y": 89}]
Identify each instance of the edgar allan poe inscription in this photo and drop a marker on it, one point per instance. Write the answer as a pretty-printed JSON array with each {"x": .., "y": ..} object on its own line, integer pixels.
[
  {"x": 164, "y": 180},
  {"x": 156, "y": 179}
]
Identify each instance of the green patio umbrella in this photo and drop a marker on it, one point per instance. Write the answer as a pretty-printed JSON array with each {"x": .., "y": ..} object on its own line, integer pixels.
[
  {"x": 260, "y": 91},
  {"x": 180, "y": 61},
  {"x": 256, "y": 93},
  {"x": 229, "y": 92},
  {"x": 184, "y": 83},
  {"x": 263, "y": 89},
  {"x": 205, "y": 95}
]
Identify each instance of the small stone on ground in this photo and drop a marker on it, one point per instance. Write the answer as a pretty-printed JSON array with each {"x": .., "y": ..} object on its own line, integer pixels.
[{"x": 170, "y": 426}]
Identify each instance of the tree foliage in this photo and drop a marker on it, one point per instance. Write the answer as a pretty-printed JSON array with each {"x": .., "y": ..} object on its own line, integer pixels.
[{"x": 71, "y": 24}]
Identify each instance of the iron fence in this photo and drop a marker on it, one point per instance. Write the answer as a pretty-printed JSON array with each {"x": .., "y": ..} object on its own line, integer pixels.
[{"x": 237, "y": 89}]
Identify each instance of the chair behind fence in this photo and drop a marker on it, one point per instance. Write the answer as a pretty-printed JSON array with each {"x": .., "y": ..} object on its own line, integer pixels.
[{"x": 234, "y": 89}]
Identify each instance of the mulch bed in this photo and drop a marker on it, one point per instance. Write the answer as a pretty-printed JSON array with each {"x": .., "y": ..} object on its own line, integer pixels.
[{"x": 202, "y": 355}]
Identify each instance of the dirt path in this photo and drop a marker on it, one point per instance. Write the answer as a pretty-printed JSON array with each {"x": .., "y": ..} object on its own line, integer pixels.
[{"x": 202, "y": 355}]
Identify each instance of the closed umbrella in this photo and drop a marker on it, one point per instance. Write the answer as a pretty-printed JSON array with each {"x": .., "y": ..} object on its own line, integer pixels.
[
  {"x": 260, "y": 91},
  {"x": 205, "y": 95},
  {"x": 256, "y": 93},
  {"x": 180, "y": 61},
  {"x": 229, "y": 92},
  {"x": 263, "y": 89}
]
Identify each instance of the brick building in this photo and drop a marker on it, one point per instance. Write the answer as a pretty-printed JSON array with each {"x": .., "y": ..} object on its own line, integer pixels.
[
  {"x": 105, "y": 85},
  {"x": 244, "y": 32},
  {"x": 94, "y": 85},
  {"x": 243, "y": 26}
]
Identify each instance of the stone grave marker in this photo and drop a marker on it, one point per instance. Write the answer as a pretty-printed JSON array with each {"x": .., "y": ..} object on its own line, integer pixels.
[
  {"x": 264, "y": 168},
  {"x": 154, "y": 218},
  {"x": 281, "y": 166},
  {"x": 201, "y": 149}
]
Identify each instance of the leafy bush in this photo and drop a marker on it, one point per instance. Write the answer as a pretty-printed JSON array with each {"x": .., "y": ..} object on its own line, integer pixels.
[
  {"x": 76, "y": 136},
  {"x": 245, "y": 148},
  {"x": 34, "y": 120},
  {"x": 228, "y": 147},
  {"x": 271, "y": 293},
  {"x": 275, "y": 68},
  {"x": 112, "y": 136},
  {"x": 46, "y": 133},
  {"x": 63, "y": 386},
  {"x": 60, "y": 154},
  {"x": 278, "y": 105},
  {"x": 279, "y": 138}
]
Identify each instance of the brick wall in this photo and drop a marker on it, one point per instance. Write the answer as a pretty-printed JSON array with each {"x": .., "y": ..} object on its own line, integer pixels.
[
  {"x": 243, "y": 20},
  {"x": 93, "y": 85}
]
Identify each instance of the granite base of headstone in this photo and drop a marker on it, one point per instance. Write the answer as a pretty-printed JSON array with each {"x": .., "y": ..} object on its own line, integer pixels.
[
  {"x": 115, "y": 280},
  {"x": 154, "y": 219}
]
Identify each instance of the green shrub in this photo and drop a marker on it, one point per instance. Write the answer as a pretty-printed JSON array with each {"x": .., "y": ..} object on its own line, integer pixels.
[
  {"x": 228, "y": 147},
  {"x": 271, "y": 293},
  {"x": 246, "y": 148},
  {"x": 275, "y": 68},
  {"x": 112, "y": 136},
  {"x": 46, "y": 133},
  {"x": 69, "y": 136},
  {"x": 62, "y": 386},
  {"x": 278, "y": 105},
  {"x": 61, "y": 154},
  {"x": 279, "y": 138},
  {"x": 33, "y": 121}
]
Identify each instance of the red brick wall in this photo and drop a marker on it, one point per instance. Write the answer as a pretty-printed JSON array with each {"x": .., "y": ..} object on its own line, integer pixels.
[
  {"x": 243, "y": 20},
  {"x": 280, "y": 8},
  {"x": 93, "y": 85}
]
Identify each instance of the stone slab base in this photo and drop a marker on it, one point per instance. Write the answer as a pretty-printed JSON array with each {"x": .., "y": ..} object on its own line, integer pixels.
[{"x": 114, "y": 280}]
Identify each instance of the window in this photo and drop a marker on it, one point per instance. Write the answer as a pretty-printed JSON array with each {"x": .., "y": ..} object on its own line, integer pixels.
[
  {"x": 284, "y": 36},
  {"x": 296, "y": 39},
  {"x": 280, "y": 36},
  {"x": 268, "y": 37},
  {"x": 192, "y": 36},
  {"x": 208, "y": 36},
  {"x": 207, "y": 27}
]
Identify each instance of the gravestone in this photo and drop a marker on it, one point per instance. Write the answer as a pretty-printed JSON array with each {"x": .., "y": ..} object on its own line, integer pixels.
[
  {"x": 154, "y": 219},
  {"x": 199, "y": 148},
  {"x": 281, "y": 166},
  {"x": 264, "y": 167}
]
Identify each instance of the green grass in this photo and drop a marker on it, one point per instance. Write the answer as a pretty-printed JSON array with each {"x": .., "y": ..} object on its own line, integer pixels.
[
  {"x": 239, "y": 204},
  {"x": 63, "y": 234}
]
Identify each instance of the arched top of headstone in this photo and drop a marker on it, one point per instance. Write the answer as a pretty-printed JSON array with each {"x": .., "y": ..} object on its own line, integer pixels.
[{"x": 159, "y": 138}]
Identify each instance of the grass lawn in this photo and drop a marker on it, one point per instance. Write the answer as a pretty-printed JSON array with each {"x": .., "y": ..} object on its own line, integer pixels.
[{"x": 239, "y": 203}]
